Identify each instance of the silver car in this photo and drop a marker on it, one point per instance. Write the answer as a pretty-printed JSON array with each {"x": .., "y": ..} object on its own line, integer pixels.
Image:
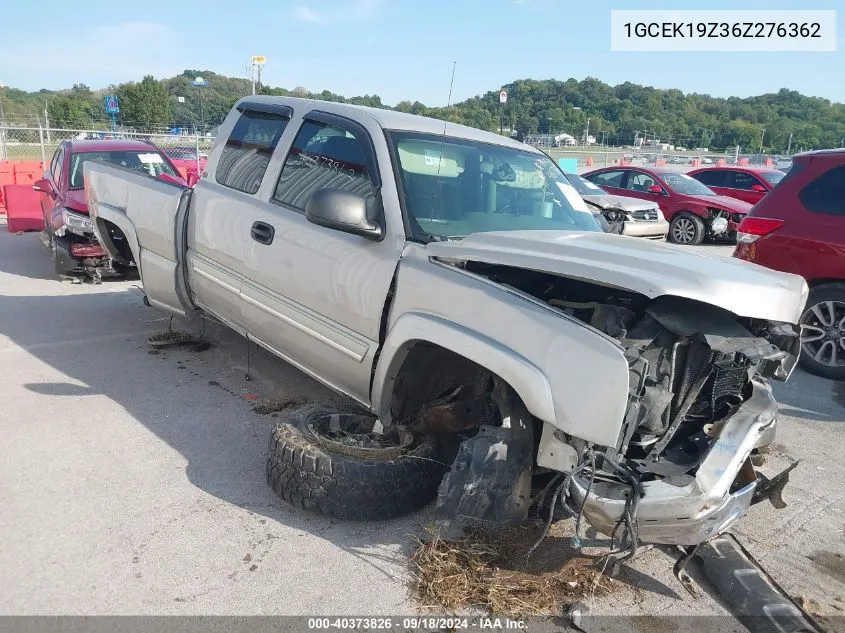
[
  {"x": 621, "y": 214},
  {"x": 456, "y": 286}
]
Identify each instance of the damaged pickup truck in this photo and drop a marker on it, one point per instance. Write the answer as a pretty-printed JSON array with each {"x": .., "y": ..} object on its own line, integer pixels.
[{"x": 503, "y": 351}]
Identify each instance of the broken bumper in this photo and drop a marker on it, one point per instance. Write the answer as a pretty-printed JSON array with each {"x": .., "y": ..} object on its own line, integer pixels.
[
  {"x": 719, "y": 495},
  {"x": 653, "y": 230}
]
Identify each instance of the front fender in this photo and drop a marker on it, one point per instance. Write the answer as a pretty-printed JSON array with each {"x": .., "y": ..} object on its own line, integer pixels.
[{"x": 525, "y": 378}]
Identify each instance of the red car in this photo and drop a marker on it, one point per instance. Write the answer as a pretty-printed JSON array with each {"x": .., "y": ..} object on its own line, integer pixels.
[
  {"x": 800, "y": 228},
  {"x": 743, "y": 183},
  {"x": 694, "y": 211},
  {"x": 68, "y": 231}
]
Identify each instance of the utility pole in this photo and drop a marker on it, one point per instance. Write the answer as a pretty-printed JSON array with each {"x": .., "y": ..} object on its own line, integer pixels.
[
  {"x": 762, "y": 134},
  {"x": 789, "y": 146},
  {"x": 3, "y": 155},
  {"x": 587, "y": 133},
  {"x": 46, "y": 121}
]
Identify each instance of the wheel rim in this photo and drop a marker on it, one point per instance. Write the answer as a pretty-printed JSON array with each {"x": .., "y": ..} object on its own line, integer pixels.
[
  {"x": 355, "y": 434},
  {"x": 683, "y": 230},
  {"x": 823, "y": 333}
]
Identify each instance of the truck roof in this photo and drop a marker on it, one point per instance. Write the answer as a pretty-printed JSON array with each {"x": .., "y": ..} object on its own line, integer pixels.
[{"x": 393, "y": 120}]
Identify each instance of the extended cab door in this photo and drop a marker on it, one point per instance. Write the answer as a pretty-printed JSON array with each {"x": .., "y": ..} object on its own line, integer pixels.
[
  {"x": 315, "y": 295},
  {"x": 226, "y": 205}
]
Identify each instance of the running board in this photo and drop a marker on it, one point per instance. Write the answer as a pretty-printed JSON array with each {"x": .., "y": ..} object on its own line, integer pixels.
[{"x": 753, "y": 597}]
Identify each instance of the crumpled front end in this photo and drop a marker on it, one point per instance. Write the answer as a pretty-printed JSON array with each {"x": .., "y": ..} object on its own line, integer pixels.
[{"x": 699, "y": 404}]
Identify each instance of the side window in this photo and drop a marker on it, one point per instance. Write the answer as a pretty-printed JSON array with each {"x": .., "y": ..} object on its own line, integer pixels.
[
  {"x": 56, "y": 167},
  {"x": 826, "y": 194},
  {"x": 322, "y": 157},
  {"x": 609, "y": 179},
  {"x": 638, "y": 181},
  {"x": 741, "y": 180},
  {"x": 248, "y": 150},
  {"x": 711, "y": 178}
]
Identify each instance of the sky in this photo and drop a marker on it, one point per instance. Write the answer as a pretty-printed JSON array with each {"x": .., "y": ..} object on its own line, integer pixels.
[{"x": 398, "y": 49}]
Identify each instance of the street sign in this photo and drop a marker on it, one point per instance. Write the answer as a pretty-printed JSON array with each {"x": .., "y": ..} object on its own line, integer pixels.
[
  {"x": 503, "y": 97},
  {"x": 199, "y": 81},
  {"x": 111, "y": 104},
  {"x": 258, "y": 59}
]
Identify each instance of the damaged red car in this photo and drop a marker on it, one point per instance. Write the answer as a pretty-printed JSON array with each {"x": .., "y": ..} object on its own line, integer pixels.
[{"x": 68, "y": 230}]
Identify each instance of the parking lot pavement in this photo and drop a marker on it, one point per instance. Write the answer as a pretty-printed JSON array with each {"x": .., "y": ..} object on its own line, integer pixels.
[{"x": 133, "y": 482}]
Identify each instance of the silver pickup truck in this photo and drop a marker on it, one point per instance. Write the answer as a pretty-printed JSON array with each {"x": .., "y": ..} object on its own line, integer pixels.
[{"x": 506, "y": 352}]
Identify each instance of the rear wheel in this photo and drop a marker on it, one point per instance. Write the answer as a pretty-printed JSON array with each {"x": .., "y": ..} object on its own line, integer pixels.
[
  {"x": 823, "y": 332},
  {"x": 686, "y": 228}
]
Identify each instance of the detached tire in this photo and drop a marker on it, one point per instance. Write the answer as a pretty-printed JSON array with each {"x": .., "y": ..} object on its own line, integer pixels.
[
  {"x": 686, "y": 228},
  {"x": 304, "y": 472}
]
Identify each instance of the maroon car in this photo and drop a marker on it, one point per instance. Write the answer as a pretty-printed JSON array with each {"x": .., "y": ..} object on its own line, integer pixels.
[
  {"x": 800, "y": 228},
  {"x": 694, "y": 211},
  {"x": 68, "y": 230},
  {"x": 748, "y": 184}
]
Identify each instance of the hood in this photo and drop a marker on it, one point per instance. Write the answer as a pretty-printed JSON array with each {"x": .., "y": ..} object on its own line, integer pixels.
[
  {"x": 75, "y": 201},
  {"x": 608, "y": 201},
  {"x": 731, "y": 204},
  {"x": 650, "y": 268}
]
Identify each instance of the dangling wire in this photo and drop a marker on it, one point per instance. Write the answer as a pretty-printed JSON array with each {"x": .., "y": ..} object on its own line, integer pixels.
[{"x": 247, "y": 376}]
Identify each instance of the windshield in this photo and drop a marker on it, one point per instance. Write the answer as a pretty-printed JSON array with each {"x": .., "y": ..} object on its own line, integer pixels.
[
  {"x": 681, "y": 183},
  {"x": 150, "y": 162},
  {"x": 454, "y": 187},
  {"x": 773, "y": 177},
  {"x": 583, "y": 186}
]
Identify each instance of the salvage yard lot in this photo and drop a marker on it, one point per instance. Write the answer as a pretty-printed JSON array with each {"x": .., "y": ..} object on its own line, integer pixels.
[{"x": 132, "y": 482}]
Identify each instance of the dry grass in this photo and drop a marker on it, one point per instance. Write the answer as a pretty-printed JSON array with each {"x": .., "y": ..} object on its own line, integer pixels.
[{"x": 489, "y": 570}]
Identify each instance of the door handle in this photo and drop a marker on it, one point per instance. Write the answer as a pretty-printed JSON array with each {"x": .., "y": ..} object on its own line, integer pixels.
[{"x": 262, "y": 233}]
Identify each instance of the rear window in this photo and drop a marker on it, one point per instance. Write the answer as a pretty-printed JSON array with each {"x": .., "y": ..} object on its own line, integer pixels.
[
  {"x": 826, "y": 194},
  {"x": 773, "y": 177},
  {"x": 248, "y": 149},
  {"x": 711, "y": 178}
]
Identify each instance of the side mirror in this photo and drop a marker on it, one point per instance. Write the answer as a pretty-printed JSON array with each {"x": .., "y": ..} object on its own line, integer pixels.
[
  {"x": 42, "y": 184},
  {"x": 342, "y": 211},
  {"x": 758, "y": 188},
  {"x": 655, "y": 189}
]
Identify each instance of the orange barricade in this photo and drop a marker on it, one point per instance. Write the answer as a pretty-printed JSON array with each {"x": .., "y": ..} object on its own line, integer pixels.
[
  {"x": 589, "y": 161},
  {"x": 721, "y": 162},
  {"x": 696, "y": 162},
  {"x": 743, "y": 162},
  {"x": 23, "y": 208}
]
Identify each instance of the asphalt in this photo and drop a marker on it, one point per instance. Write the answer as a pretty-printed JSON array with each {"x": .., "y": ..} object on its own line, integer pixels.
[{"x": 133, "y": 482}]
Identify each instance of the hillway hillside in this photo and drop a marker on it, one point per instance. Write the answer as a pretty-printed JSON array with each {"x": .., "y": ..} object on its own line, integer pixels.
[{"x": 613, "y": 115}]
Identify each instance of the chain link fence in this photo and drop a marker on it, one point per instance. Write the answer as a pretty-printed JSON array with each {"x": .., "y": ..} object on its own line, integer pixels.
[{"x": 29, "y": 143}]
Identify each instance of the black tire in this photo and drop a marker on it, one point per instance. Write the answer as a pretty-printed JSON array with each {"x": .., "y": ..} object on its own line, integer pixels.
[
  {"x": 829, "y": 292},
  {"x": 307, "y": 475},
  {"x": 686, "y": 228}
]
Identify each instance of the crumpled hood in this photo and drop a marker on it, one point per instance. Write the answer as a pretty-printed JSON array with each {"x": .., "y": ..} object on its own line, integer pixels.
[
  {"x": 649, "y": 268},
  {"x": 725, "y": 202},
  {"x": 608, "y": 201},
  {"x": 75, "y": 201}
]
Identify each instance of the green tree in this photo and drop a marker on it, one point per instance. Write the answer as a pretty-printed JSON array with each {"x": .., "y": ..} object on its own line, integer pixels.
[{"x": 144, "y": 104}]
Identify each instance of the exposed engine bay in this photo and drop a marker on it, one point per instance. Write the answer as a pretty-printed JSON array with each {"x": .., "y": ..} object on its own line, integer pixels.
[{"x": 692, "y": 366}]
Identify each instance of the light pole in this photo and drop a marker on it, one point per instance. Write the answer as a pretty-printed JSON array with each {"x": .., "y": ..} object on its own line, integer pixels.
[
  {"x": 200, "y": 83},
  {"x": 762, "y": 134},
  {"x": 789, "y": 146},
  {"x": 587, "y": 133}
]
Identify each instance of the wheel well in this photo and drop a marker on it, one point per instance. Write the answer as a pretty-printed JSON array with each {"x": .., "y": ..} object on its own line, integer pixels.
[
  {"x": 815, "y": 283},
  {"x": 118, "y": 240},
  {"x": 430, "y": 373}
]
